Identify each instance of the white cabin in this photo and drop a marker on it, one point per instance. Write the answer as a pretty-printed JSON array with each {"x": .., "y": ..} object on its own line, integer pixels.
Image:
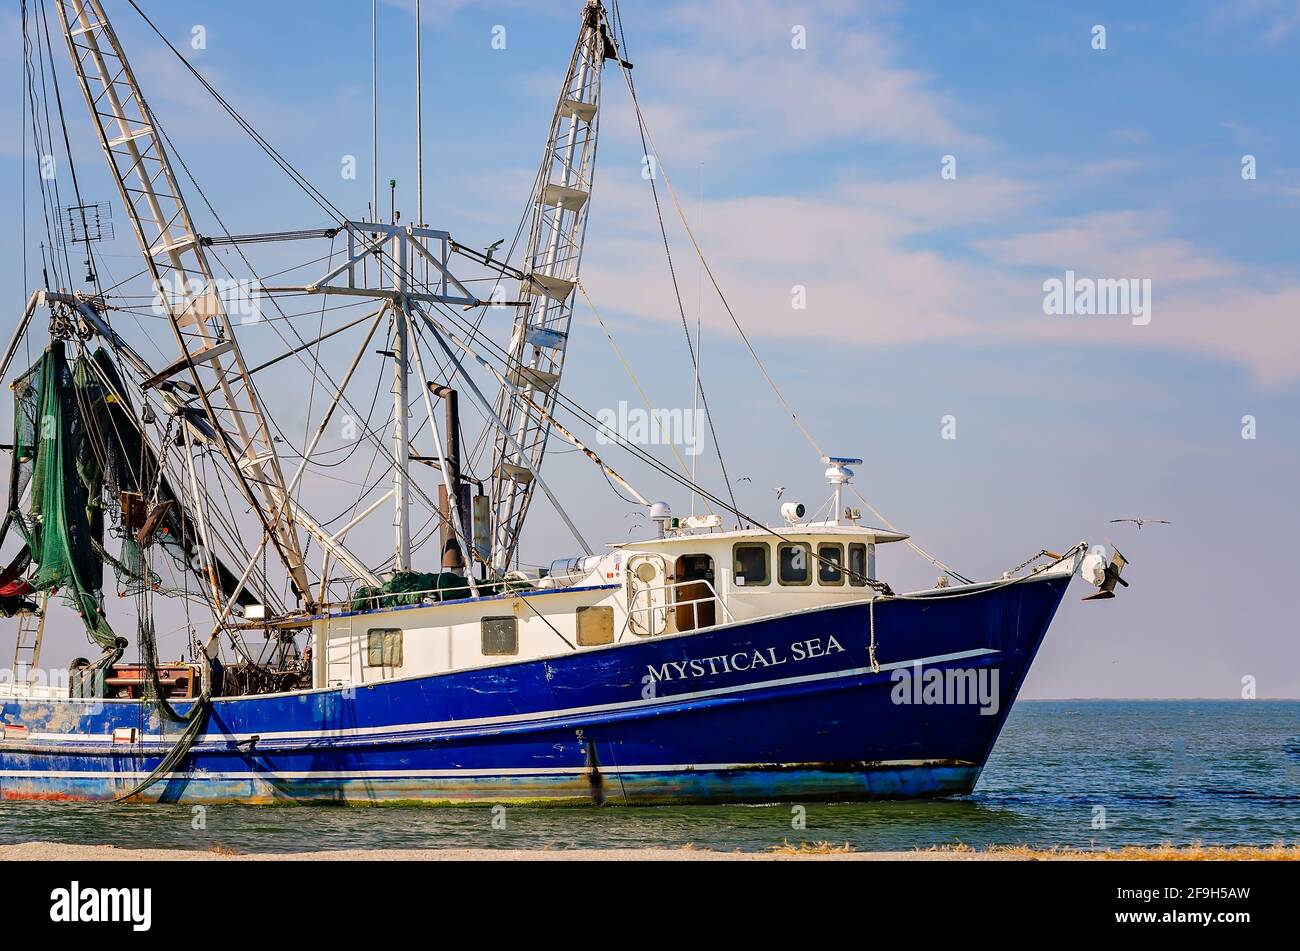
[{"x": 675, "y": 584}]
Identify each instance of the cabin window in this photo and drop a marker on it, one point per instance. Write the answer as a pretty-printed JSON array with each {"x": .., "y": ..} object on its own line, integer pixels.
[
  {"x": 795, "y": 564},
  {"x": 384, "y": 647},
  {"x": 595, "y": 626},
  {"x": 750, "y": 564},
  {"x": 500, "y": 636},
  {"x": 858, "y": 565},
  {"x": 830, "y": 564}
]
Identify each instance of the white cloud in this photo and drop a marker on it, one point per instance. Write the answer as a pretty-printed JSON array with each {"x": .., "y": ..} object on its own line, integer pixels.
[
  {"x": 1277, "y": 19},
  {"x": 747, "y": 88},
  {"x": 1111, "y": 244},
  {"x": 871, "y": 282},
  {"x": 891, "y": 262}
]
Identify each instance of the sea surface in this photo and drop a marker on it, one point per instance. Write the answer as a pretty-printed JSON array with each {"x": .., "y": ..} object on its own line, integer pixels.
[{"x": 1091, "y": 773}]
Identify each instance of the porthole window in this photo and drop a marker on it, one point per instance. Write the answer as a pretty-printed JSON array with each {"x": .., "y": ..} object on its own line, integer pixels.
[
  {"x": 750, "y": 564},
  {"x": 830, "y": 564},
  {"x": 500, "y": 636},
  {"x": 795, "y": 564}
]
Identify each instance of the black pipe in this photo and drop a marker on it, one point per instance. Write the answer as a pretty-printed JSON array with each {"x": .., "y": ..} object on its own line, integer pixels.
[{"x": 460, "y": 490}]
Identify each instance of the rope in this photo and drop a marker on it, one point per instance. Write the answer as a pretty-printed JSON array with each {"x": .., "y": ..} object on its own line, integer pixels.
[
  {"x": 871, "y": 605},
  {"x": 1006, "y": 582},
  {"x": 622, "y": 358},
  {"x": 681, "y": 213},
  {"x": 542, "y": 617},
  {"x": 197, "y": 720},
  {"x": 911, "y": 544},
  {"x": 331, "y": 209},
  {"x": 677, "y": 293}
]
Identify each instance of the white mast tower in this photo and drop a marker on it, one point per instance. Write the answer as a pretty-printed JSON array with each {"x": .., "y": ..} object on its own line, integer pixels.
[{"x": 540, "y": 334}]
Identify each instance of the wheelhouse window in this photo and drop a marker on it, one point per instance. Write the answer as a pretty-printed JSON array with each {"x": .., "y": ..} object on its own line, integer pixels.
[
  {"x": 858, "y": 565},
  {"x": 500, "y": 636},
  {"x": 595, "y": 625},
  {"x": 751, "y": 564},
  {"x": 795, "y": 564},
  {"x": 384, "y": 647},
  {"x": 830, "y": 564}
]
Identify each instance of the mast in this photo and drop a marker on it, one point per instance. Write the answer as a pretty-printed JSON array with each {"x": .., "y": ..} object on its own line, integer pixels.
[
  {"x": 401, "y": 412},
  {"x": 419, "y": 130},
  {"x": 374, "y": 110},
  {"x": 540, "y": 333},
  {"x": 176, "y": 262}
]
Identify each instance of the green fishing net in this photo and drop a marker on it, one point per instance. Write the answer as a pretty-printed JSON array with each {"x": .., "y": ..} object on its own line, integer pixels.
[{"x": 55, "y": 464}]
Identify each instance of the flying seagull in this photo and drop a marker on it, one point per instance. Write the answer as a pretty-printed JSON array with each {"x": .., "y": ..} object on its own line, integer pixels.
[
  {"x": 1139, "y": 522},
  {"x": 491, "y": 248}
]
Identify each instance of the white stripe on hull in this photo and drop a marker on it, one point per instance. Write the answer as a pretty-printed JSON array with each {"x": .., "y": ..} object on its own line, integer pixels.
[{"x": 532, "y": 717}]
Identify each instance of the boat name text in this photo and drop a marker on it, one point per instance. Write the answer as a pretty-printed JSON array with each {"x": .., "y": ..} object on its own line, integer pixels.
[{"x": 740, "y": 661}]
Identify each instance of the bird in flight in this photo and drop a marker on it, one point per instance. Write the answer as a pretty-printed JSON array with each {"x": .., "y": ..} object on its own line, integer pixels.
[{"x": 1139, "y": 522}]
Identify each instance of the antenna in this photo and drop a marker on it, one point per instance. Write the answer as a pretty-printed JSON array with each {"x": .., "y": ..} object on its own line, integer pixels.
[
  {"x": 419, "y": 130},
  {"x": 374, "y": 110},
  {"x": 838, "y": 474},
  {"x": 88, "y": 224}
]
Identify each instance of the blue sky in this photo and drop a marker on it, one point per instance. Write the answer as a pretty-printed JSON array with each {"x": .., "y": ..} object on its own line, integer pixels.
[{"x": 820, "y": 167}]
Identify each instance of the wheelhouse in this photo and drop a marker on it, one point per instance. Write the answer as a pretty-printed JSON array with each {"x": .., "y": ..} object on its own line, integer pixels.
[{"x": 677, "y": 584}]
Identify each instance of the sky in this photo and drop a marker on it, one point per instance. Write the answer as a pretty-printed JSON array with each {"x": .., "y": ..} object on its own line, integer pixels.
[{"x": 911, "y": 174}]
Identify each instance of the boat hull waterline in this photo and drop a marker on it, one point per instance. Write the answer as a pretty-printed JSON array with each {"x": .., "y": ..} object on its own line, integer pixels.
[{"x": 782, "y": 709}]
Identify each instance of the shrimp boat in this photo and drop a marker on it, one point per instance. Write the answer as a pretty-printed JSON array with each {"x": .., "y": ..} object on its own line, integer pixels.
[{"x": 716, "y": 659}]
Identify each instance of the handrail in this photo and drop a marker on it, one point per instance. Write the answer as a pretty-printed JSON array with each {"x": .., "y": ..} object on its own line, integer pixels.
[
  {"x": 457, "y": 590},
  {"x": 674, "y": 604}
]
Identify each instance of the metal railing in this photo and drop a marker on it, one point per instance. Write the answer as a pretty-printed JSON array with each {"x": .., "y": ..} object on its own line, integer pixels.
[{"x": 673, "y": 604}]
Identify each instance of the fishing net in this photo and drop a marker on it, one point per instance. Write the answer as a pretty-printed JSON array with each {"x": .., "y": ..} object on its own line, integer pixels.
[
  {"x": 131, "y": 466},
  {"x": 411, "y": 587},
  {"x": 77, "y": 448},
  {"x": 56, "y": 466}
]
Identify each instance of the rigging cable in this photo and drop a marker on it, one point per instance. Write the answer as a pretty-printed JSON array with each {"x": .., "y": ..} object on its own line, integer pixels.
[
  {"x": 659, "y": 166},
  {"x": 681, "y": 212},
  {"x": 325, "y": 204},
  {"x": 618, "y": 352},
  {"x": 672, "y": 271},
  {"x": 29, "y": 69},
  {"x": 72, "y": 165},
  {"x": 318, "y": 367}
]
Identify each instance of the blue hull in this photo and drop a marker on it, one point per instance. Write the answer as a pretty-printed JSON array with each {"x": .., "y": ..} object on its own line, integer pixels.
[{"x": 783, "y": 709}]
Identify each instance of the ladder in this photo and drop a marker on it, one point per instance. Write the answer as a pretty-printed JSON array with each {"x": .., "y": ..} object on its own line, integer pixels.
[
  {"x": 539, "y": 337},
  {"x": 176, "y": 260},
  {"x": 27, "y": 651}
]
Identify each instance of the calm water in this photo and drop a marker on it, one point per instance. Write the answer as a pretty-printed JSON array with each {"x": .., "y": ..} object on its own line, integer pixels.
[{"x": 1163, "y": 771}]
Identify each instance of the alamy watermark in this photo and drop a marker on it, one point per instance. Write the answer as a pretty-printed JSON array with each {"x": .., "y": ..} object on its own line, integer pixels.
[
  {"x": 194, "y": 299},
  {"x": 918, "y": 686},
  {"x": 651, "y": 427},
  {"x": 1098, "y": 297},
  {"x": 76, "y": 904}
]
